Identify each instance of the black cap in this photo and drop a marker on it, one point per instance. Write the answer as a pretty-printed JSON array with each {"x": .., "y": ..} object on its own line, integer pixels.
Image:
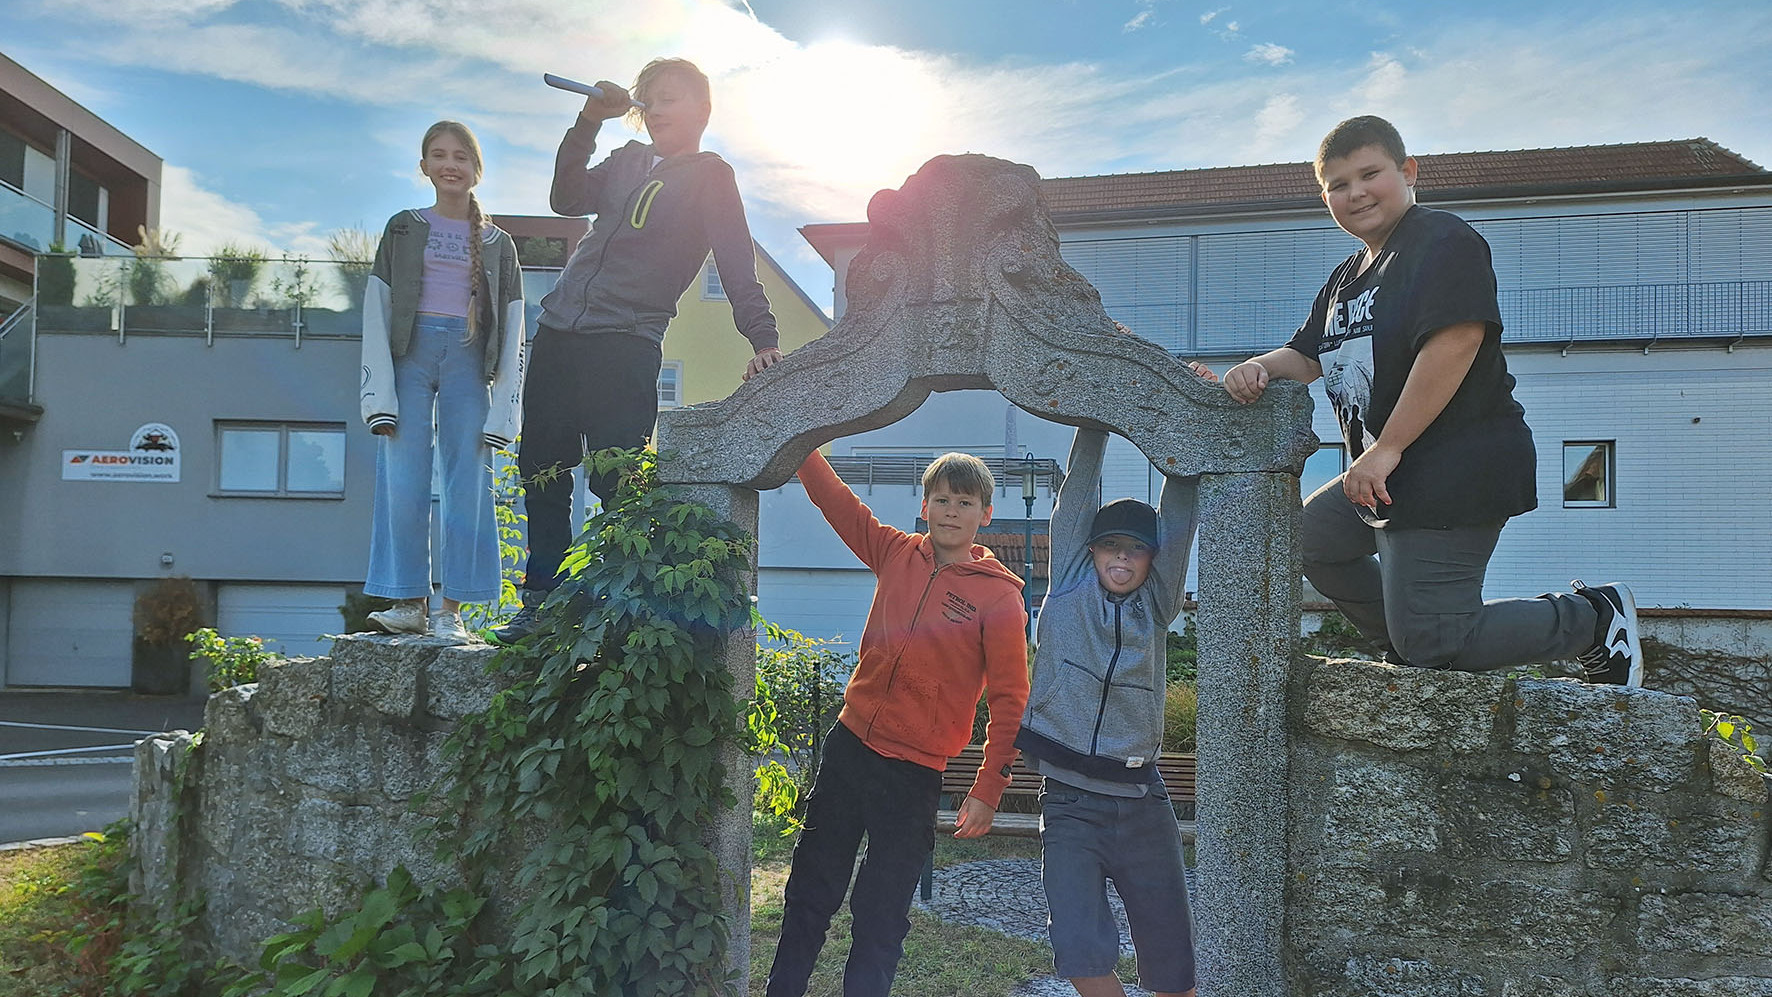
[{"x": 1127, "y": 517}]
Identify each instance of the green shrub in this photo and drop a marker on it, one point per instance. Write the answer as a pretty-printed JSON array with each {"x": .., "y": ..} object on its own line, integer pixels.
[
  {"x": 232, "y": 660},
  {"x": 1183, "y": 664},
  {"x": 1180, "y": 702}
]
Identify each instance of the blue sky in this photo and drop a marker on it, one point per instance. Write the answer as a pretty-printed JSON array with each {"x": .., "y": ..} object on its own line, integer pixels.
[{"x": 282, "y": 120}]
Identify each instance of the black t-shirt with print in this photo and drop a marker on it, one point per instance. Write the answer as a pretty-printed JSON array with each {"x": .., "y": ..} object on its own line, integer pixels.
[{"x": 1475, "y": 464}]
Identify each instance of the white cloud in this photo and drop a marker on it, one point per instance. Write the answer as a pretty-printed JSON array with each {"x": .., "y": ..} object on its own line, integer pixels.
[
  {"x": 1141, "y": 19},
  {"x": 1269, "y": 54},
  {"x": 814, "y": 129},
  {"x": 204, "y": 220}
]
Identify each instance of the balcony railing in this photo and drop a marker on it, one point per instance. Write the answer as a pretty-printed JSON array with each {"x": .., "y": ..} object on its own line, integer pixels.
[
  {"x": 31, "y": 223},
  {"x": 25, "y": 220},
  {"x": 17, "y": 359},
  {"x": 288, "y": 296}
]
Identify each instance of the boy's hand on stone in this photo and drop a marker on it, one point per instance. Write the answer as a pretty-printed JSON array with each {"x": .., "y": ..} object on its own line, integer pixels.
[
  {"x": 1246, "y": 381},
  {"x": 613, "y": 104},
  {"x": 765, "y": 359},
  {"x": 1202, "y": 371},
  {"x": 974, "y": 820},
  {"x": 1364, "y": 483}
]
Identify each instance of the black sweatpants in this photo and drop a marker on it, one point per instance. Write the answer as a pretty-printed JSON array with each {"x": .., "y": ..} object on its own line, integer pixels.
[
  {"x": 583, "y": 392},
  {"x": 893, "y": 802}
]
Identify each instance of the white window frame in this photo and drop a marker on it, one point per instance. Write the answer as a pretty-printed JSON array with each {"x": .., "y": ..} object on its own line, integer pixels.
[
  {"x": 711, "y": 288},
  {"x": 282, "y": 429},
  {"x": 1610, "y": 482},
  {"x": 670, "y": 384}
]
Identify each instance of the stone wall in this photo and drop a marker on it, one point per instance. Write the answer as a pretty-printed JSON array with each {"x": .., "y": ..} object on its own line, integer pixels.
[
  {"x": 1470, "y": 836},
  {"x": 300, "y": 792}
]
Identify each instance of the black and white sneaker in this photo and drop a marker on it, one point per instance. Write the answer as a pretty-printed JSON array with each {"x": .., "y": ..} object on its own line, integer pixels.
[
  {"x": 525, "y": 623},
  {"x": 1617, "y": 655}
]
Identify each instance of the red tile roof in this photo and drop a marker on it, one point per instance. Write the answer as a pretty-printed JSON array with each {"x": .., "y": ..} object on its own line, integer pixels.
[{"x": 1640, "y": 165}]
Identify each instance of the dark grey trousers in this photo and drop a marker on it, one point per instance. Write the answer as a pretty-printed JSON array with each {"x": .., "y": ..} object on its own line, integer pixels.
[{"x": 1422, "y": 594}]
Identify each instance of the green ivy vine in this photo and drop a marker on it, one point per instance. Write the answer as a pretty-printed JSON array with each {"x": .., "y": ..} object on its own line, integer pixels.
[{"x": 608, "y": 745}]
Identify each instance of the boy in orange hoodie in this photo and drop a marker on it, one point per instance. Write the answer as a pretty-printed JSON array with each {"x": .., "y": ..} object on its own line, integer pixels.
[{"x": 946, "y": 624}]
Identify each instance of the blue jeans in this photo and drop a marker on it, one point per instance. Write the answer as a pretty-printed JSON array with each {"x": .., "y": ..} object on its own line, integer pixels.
[
  {"x": 439, "y": 375},
  {"x": 1087, "y": 839}
]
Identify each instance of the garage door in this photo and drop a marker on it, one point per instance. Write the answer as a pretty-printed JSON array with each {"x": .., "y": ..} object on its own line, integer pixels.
[
  {"x": 69, "y": 632},
  {"x": 290, "y": 618}
]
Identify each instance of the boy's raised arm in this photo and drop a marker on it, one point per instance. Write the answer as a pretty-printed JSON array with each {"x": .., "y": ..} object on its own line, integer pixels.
[
  {"x": 854, "y": 522},
  {"x": 1078, "y": 499},
  {"x": 576, "y": 189},
  {"x": 1178, "y": 515}
]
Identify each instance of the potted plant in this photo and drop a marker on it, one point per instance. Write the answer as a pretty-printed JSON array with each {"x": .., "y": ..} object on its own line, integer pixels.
[
  {"x": 353, "y": 251},
  {"x": 165, "y": 613},
  {"x": 55, "y": 276},
  {"x": 232, "y": 272}
]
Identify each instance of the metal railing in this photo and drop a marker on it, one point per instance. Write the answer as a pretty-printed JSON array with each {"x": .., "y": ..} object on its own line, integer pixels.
[
  {"x": 30, "y": 223},
  {"x": 18, "y": 353},
  {"x": 209, "y": 296}
]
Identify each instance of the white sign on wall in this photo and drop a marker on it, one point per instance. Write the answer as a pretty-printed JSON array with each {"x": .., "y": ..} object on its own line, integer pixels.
[{"x": 153, "y": 455}]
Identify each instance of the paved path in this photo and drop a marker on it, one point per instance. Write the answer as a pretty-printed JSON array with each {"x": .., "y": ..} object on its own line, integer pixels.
[
  {"x": 65, "y": 756},
  {"x": 1005, "y": 895}
]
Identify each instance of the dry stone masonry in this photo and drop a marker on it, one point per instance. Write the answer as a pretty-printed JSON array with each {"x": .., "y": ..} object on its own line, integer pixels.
[{"x": 1476, "y": 836}]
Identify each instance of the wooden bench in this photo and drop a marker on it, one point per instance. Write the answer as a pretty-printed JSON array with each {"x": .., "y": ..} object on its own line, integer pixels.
[{"x": 1177, "y": 772}]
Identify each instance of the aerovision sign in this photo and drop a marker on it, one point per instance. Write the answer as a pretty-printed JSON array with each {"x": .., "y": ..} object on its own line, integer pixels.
[{"x": 152, "y": 456}]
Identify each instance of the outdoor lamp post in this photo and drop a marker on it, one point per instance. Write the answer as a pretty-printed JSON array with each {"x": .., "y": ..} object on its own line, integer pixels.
[{"x": 1028, "y": 469}]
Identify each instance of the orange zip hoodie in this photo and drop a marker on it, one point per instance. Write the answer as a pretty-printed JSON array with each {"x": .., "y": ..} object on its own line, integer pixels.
[{"x": 935, "y": 638}]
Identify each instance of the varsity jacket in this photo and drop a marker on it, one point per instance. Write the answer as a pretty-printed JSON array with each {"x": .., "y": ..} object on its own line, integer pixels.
[
  {"x": 390, "y": 312},
  {"x": 1096, "y": 707},
  {"x": 654, "y": 227},
  {"x": 935, "y": 638}
]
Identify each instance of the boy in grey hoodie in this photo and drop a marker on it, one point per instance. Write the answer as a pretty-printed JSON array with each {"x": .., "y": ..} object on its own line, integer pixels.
[{"x": 1094, "y": 725}]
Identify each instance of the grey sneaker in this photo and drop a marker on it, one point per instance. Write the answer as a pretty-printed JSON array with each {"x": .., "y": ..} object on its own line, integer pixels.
[
  {"x": 446, "y": 625},
  {"x": 407, "y": 616},
  {"x": 1617, "y": 655},
  {"x": 525, "y": 623}
]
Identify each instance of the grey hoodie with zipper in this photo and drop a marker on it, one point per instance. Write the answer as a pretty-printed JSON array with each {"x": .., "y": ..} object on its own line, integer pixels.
[
  {"x": 654, "y": 228},
  {"x": 1096, "y": 703}
]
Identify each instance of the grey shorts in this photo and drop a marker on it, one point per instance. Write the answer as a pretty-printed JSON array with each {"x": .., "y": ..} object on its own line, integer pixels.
[{"x": 1087, "y": 839}]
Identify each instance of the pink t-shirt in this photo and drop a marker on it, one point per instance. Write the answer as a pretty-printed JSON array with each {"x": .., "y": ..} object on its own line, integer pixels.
[{"x": 444, "y": 290}]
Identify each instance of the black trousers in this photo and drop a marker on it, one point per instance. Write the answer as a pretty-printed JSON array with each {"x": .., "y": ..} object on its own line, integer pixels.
[
  {"x": 583, "y": 392},
  {"x": 893, "y": 802}
]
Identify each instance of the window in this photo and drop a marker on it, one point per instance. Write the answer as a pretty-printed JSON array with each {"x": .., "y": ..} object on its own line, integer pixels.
[
  {"x": 1321, "y": 468},
  {"x": 292, "y": 460},
  {"x": 711, "y": 289},
  {"x": 670, "y": 384},
  {"x": 1587, "y": 474}
]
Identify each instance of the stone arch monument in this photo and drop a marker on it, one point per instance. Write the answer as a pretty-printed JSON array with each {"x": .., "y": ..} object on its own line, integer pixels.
[{"x": 961, "y": 285}]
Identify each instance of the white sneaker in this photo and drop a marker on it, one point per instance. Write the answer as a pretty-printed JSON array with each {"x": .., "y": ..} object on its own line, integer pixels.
[
  {"x": 406, "y": 617},
  {"x": 446, "y": 625}
]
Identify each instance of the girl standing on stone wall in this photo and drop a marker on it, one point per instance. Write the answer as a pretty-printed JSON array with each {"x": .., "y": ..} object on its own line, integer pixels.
[{"x": 442, "y": 334}]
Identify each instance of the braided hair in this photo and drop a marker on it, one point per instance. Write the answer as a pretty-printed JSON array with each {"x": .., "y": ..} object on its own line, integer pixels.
[{"x": 476, "y": 218}]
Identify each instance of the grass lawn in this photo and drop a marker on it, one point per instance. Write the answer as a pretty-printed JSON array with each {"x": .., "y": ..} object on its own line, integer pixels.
[{"x": 40, "y": 906}]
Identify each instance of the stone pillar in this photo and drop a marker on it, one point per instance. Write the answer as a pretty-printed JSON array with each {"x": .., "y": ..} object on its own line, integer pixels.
[
  {"x": 731, "y": 836},
  {"x": 1248, "y": 627}
]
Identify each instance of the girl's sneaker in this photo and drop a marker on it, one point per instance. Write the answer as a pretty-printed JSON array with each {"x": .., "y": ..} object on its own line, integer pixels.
[
  {"x": 407, "y": 616},
  {"x": 446, "y": 625}
]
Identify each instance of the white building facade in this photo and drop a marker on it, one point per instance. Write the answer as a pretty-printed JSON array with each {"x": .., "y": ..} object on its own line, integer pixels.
[{"x": 1636, "y": 293}]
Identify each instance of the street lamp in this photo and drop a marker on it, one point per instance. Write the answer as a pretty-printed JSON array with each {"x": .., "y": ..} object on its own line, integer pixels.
[{"x": 1029, "y": 469}]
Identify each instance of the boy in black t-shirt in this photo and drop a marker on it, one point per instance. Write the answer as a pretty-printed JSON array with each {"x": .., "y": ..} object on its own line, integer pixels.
[{"x": 1407, "y": 336}]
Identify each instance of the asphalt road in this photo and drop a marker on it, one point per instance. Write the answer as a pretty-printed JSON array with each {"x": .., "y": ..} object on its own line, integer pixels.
[{"x": 65, "y": 757}]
